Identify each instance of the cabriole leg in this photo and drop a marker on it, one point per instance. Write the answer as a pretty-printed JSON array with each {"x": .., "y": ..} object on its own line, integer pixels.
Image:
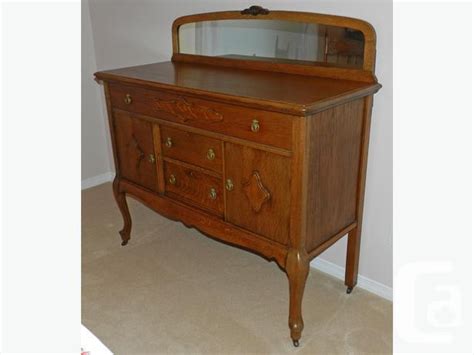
[
  {"x": 297, "y": 268},
  {"x": 352, "y": 258},
  {"x": 122, "y": 204}
]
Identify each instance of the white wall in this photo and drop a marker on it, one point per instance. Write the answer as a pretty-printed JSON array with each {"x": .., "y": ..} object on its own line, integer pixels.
[
  {"x": 96, "y": 158},
  {"x": 129, "y": 33}
]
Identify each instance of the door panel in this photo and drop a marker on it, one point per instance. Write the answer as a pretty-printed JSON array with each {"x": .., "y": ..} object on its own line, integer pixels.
[
  {"x": 259, "y": 199},
  {"x": 134, "y": 138}
]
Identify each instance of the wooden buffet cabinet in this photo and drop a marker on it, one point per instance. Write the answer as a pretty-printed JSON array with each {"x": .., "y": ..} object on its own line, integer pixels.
[{"x": 266, "y": 154}]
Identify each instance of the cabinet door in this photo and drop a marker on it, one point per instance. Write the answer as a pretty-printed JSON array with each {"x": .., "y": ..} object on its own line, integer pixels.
[
  {"x": 258, "y": 191},
  {"x": 134, "y": 140}
]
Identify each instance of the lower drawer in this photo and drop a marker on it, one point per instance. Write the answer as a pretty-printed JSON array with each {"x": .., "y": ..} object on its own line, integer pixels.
[{"x": 194, "y": 187}]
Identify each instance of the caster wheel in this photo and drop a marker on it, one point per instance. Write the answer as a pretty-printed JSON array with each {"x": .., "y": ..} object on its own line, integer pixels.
[
  {"x": 125, "y": 242},
  {"x": 349, "y": 290},
  {"x": 296, "y": 343}
]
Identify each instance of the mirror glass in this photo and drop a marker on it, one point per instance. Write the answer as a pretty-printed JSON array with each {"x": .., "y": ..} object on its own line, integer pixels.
[{"x": 274, "y": 40}]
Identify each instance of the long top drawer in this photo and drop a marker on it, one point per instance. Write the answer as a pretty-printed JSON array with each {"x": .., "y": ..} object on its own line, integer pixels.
[{"x": 265, "y": 127}]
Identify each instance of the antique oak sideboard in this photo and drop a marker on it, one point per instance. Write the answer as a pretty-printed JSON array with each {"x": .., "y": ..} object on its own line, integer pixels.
[{"x": 265, "y": 152}]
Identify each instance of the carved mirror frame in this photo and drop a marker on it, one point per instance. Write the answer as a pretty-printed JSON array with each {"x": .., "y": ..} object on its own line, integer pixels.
[{"x": 366, "y": 73}]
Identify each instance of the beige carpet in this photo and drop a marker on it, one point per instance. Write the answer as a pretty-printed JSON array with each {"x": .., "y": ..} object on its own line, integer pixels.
[{"x": 172, "y": 290}]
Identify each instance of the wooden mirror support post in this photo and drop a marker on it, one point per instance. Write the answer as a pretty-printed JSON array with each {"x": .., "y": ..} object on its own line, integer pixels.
[{"x": 267, "y": 155}]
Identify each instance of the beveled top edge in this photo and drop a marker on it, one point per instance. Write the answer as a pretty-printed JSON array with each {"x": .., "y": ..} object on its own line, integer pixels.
[{"x": 292, "y": 108}]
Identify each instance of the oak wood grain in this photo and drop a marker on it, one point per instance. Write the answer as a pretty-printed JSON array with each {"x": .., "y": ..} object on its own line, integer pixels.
[
  {"x": 192, "y": 148},
  {"x": 212, "y": 226},
  {"x": 194, "y": 186},
  {"x": 203, "y": 132},
  {"x": 272, "y": 218},
  {"x": 297, "y": 269},
  {"x": 354, "y": 237},
  {"x": 236, "y": 120},
  {"x": 242, "y": 86},
  {"x": 316, "y": 69},
  {"x": 134, "y": 147},
  {"x": 159, "y": 157},
  {"x": 333, "y": 161}
]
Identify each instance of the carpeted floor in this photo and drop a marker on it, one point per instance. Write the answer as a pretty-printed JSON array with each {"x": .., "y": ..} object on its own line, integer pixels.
[{"x": 173, "y": 291}]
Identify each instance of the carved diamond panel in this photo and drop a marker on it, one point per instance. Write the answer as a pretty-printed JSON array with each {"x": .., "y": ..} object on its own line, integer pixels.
[
  {"x": 139, "y": 154},
  {"x": 256, "y": 192}
]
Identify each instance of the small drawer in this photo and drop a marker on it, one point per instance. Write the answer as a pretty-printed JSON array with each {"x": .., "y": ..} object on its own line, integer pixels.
[
  {"x": 192, "y": 148},
  {"x": 194, "y": 187},
  {"x": 265, "y": 127}
]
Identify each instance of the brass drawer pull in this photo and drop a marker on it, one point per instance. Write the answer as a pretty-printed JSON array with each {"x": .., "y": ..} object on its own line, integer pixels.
[
  {"x": 169, "y": 142},
  {"x": 172, "y": 179},
  {"x": 211, "y": 155},
  {"x": 127, "y": 99},
  {"x": 213, "y": 193},
  {"x": 151, "y": 158},
  {"x": 229, "y": 185},
  {"x": 255, "y": 126}
]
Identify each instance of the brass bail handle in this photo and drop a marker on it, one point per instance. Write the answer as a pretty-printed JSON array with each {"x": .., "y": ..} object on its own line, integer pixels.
[
  {"x": 211, "y": 155},
  {"x": 229, "y": 185},
  {"x": 127, "y": 99},
  {"x": 172, "y": 179},
  {"x": 151, "y": 158},
  {"x": 255, "y": 126},
  {"x": 213, "y": 193}
]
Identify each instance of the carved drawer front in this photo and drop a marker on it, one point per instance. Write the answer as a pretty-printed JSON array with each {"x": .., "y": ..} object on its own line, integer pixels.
[
  {"x": 134, "y": 140},
  {"x": 258, "y": 191},
  {"x": 271, "y": 128},
  {"x": 194, "y": 187},
  {"x": 192, "y": 148}
]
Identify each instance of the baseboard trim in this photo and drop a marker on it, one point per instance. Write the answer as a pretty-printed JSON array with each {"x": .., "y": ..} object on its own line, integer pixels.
[
  {"x": 97, "y": 180},
  {"x": 362, "y": 281}
]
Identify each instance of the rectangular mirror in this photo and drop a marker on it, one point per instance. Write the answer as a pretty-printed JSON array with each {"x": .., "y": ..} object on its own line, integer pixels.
[{"x": 274, "y": 40}]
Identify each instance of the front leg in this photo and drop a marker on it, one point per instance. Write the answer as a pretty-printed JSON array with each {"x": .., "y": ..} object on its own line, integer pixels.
[
  {"x": 297, "y": 268},
  {"x": 122, "y": 204}
]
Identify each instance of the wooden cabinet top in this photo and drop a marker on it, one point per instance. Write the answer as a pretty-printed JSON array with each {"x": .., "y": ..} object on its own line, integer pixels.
[{"x": 291, "y": 93}]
